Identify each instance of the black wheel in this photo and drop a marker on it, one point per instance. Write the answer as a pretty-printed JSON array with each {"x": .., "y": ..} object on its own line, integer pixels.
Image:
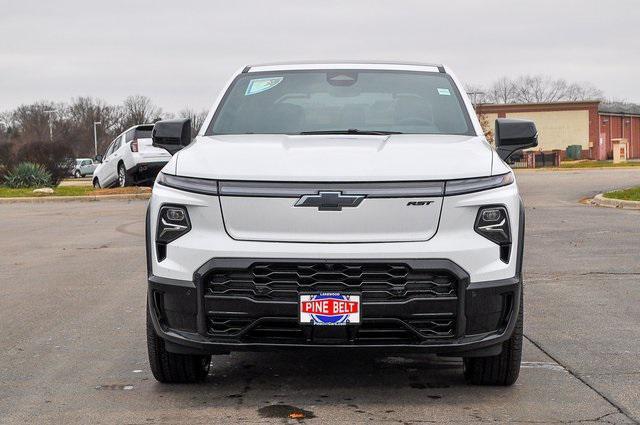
[
  {"x": 77, "y": 174},
  {"x": 502, "y": 369},
  {"x": 96, "y": 183},
  {"x": 123, "y": 178},
  {"x": 171, "y": 368}
]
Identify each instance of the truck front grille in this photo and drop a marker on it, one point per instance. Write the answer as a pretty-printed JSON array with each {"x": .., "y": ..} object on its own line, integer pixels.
[
  {"x": 284, "y": 281},
  {"x": 403, "y": 302}
]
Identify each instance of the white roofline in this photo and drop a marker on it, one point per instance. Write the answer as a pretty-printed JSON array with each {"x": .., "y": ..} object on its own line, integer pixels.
[{"x": 290, "y": 66}]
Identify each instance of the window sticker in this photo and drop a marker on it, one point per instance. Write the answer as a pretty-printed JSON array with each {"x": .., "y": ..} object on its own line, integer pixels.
[
  {"x": 444, "y": 92},
  {"x": 262, "y": 84}
]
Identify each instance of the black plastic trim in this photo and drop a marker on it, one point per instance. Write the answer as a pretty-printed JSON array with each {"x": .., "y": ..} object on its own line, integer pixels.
[
  {"x": 147, "y": 237},
  {"x": 521, "y": 225},
  {"x": 462, "y": 345}
]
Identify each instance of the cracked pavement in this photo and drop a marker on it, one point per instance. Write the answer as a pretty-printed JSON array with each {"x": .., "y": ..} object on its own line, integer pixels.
[{"x": 72, "y": 296}]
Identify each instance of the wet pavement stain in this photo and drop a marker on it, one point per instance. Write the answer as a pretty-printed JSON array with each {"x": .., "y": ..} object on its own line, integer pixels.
[
  {"x": 284, "y": 411},
  {"x": 115, "y": 387},
  {"x": 421, "y": 386}
]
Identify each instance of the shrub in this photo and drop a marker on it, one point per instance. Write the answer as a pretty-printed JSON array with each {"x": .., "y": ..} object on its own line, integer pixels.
[
  {"x": 56, "y": 158},
  {"x": 6, "y": 159},
  {"x": 28, "y": 174}
]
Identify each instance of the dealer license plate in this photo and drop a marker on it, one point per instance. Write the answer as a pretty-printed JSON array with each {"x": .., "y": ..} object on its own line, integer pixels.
[{"x": 330, "y": 309}]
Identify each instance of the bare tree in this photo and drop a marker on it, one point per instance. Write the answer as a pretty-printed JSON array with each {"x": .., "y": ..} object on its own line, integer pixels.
[
  {"x": 197, "y": 118},
  {"x": 477, "y": 94},
  {"x": 82, "y": 113},
  {"x": 502, "y": 91},
  {"x": 538, "y": 89},
  {"x": 138, "y": 110}
]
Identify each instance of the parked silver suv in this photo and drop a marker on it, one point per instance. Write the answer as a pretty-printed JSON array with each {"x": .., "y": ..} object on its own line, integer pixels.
[{"x": 83, "y": 167}]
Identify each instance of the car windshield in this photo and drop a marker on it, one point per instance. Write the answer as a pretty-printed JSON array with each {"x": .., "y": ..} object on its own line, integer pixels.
[{"x": 341, "y": 102}]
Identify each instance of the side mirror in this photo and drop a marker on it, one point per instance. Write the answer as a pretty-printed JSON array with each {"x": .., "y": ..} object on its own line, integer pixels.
[
  {"x": 513, "y": 135},
  {"x": 172, "y": 135},
  {"x": 98, "y": 159}
]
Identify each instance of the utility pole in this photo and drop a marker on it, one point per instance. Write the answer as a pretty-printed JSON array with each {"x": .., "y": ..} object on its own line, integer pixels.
[
  {"x": 51, "y": 112},
  {"x": 95, "y": 137}
]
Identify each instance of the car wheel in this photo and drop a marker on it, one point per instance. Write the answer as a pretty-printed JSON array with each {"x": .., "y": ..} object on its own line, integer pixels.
[
  {"x": 77, "y": 174},
  {"x": 123, "y": 179},
  {"x": 96, "y": 183},
  {"x": 172, "y": 368},
  {"x": 502, "y": 369}
]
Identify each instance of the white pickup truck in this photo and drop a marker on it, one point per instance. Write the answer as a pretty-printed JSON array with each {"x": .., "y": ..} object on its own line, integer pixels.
[{"x": 355, "y": 206}]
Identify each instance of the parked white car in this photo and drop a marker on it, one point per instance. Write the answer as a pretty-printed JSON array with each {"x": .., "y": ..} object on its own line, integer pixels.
[
  {"x": 337, "y": 205},
  {"x": 84, "y": 167},
  {"x": 130, "y": 159}
]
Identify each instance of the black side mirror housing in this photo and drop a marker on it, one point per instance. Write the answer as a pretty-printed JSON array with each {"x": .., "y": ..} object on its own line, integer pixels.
[
  {"x": 172, "y": 135},
  {"x": 513, "y": 135},
  {"x": 98, "y": 159}
]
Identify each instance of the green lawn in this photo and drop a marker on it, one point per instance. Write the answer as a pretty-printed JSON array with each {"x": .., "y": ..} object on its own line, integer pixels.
[
  {"x": 5, "y": 192},
  {"x": 632, "y": 194},
  {"x": 597, "y": 164}
]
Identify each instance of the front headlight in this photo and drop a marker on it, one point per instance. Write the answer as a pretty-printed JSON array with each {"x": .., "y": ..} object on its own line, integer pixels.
[
  {"x": 189, "y": 184},
  {"x": 173, "y": 222},
  {"x": 492, "y": 222},
  {"x": 458, "y": 187}
]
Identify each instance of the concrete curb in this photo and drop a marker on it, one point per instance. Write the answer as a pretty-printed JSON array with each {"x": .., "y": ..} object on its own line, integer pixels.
[
  {"x": 601, "y": 201},
  {"x": 553, "y": 169},
  {"x": 89, "y": 198}
]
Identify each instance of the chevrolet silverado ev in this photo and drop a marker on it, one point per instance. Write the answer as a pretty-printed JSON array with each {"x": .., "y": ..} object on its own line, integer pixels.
[{"x": 352, "y": 206}]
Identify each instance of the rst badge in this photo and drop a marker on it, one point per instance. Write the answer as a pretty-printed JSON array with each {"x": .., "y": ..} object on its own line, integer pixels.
[{"x": 330, "y": 309}]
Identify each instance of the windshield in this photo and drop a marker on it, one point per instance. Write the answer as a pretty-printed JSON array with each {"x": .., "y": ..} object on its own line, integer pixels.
[{"x": 341, "y": 101}]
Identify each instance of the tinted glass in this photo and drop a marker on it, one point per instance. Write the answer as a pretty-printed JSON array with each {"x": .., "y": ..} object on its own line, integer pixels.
[
  {"x": 292, "y": 102},
  {"x": 143, "y": 132},
  {"x": 128, "y": 136},
  {"x": 111, "y": 148}
]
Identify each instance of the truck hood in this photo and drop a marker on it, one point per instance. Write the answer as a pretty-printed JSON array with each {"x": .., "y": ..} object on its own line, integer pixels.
[{"x": 337, "y": 158}]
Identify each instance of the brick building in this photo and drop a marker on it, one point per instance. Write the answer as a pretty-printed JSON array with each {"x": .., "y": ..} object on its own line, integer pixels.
[{"x": 590, "y": 124}]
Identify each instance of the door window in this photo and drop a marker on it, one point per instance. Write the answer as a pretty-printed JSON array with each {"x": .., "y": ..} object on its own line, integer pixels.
[
  {"x": 118, "y": 143},
  {"x": 128, "y": 136},
  {"x": 110, "y": 149}
]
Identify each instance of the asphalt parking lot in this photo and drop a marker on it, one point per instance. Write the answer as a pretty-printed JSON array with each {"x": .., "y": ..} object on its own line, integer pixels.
[{"x": 72, "y": 297}]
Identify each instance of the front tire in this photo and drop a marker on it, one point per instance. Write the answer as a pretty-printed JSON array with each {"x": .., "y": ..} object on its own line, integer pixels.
[
  {"x": 78, "y": 175},
  {"x": 171, "y": 368},
  {"x": 96, "y": 183},
  {"x": 502, "y": 369},
  {"x": 123, "y": 178}
]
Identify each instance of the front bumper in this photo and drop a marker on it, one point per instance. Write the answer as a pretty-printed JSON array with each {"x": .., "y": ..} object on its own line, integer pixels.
[{"x": 472, "y": 319}]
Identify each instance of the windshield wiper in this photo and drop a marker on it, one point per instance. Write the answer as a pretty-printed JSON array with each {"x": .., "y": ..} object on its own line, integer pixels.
[{"x": 352, "y": 131}]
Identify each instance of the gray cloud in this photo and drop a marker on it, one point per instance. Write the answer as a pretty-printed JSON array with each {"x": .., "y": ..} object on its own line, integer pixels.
[{"x": 182, "y": 53}]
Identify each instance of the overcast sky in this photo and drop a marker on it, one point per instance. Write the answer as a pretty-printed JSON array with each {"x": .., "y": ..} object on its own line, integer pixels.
[{"x": 180, "y": 53}]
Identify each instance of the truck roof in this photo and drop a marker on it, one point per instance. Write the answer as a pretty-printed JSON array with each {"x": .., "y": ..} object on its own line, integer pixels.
[{"x": 333, "y": 64}]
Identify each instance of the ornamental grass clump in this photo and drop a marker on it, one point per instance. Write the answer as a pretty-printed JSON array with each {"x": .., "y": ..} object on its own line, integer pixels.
[{"x": 27, "y": 174}]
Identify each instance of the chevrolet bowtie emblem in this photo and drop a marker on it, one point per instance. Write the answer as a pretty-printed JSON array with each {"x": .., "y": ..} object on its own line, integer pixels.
[{"x": 329, "y": 201}]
